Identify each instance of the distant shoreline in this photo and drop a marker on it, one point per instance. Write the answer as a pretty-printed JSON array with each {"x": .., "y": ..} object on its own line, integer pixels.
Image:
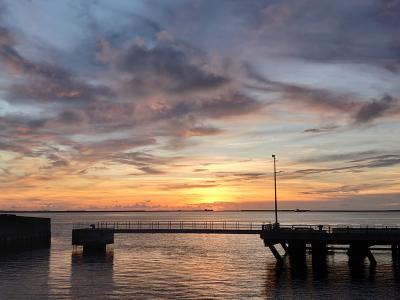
[{"x": 184, "y": 211}]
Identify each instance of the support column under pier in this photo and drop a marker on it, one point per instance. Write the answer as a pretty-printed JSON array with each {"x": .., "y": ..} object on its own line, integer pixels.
[
  {"x": 297, "y": 249},
  {"x": 297, "y": 258},
  {"x": 395, "y": 252},
  {"x": 285, "y": 247},
  {"x": 275, "y": 253},
  {"x": 371, "y": 257},
  {"x": 318, "y": 250},
  {"x": 357, "y": 253}
]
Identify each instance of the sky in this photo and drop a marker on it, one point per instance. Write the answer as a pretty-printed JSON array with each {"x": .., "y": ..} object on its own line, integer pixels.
[{"x": 167, "y": 104}]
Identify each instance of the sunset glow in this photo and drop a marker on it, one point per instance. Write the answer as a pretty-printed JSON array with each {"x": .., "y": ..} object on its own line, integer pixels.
[{"x": 159, "y": 105}]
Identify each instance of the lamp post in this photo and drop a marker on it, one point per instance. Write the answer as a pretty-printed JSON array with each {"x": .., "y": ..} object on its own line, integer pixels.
[{"x": 276, "y": 201}]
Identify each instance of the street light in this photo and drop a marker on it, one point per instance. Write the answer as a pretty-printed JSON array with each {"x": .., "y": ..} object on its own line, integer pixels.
[{"x": 276, "y": 201}]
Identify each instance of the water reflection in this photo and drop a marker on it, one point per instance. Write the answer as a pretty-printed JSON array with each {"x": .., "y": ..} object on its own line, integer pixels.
[
  {"x": 333, "y": 277},
  {"x": 91, "y": 275},
  {"x": 320, "y": 266},
  {"x": 193, "y": 266},
  {"x": 23, "y": 272}
]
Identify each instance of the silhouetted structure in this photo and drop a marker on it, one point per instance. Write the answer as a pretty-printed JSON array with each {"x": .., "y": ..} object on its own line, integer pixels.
[
  {"x": 18, "y": 232},
  {"x": 359, "y": 239},
  {"x": 294, "y": 239},
  {"x": 95, "y": 237},
  {"x": 93, "y": 240}
]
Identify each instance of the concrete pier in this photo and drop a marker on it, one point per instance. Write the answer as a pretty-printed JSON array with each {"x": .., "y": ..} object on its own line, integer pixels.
[
  {"x": 93, "y": 240},
  {"x": 20, "y": 233},
  {"x": 294, "y": 240},
  {"x": 358, "y": 239}
]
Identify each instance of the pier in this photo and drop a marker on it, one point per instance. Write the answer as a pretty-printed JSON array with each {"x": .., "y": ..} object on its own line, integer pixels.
[
  {"x": 20, "y": 233},
  {"x": 294, "y": 239},
  {"x": 96, "y": 236},
  {"x": 359, "y": 240}
]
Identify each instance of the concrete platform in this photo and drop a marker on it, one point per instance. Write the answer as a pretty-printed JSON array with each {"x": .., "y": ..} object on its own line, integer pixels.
[
  {"x": 93, "y": 240},
  {"x": 21, "y": 233}
]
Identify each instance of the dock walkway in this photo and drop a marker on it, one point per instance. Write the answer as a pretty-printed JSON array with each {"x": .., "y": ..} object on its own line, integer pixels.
[
  {"x": 212, "y": 227},
  {"x": 294, "y": 239}
]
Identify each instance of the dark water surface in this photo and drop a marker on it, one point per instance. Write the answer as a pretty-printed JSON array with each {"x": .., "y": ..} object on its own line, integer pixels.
[{"x": 193, "y": 266}]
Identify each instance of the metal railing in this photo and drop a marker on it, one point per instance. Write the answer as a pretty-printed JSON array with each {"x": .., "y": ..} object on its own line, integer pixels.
[
  {"x": 173, "y": 225},
  {"x": 334, "y": 228},
  {"x": 235, "y": 225}
]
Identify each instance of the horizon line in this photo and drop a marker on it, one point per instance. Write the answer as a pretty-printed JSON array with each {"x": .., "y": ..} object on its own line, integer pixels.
[{"x": 202, "y": 210}]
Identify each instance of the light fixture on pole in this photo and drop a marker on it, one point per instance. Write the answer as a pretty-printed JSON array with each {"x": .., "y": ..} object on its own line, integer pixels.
[{"x": 276, "y": 201}]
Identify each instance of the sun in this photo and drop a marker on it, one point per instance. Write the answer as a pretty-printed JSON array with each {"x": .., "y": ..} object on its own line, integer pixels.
[{"x": 214, "y": 194}]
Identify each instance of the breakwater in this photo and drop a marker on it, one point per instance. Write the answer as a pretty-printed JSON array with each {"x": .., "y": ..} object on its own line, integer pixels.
[{"x": 20, "y": 232}]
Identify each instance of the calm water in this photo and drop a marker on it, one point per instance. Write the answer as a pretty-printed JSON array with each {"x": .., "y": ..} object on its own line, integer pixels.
[{"x": 173, "y": 266}]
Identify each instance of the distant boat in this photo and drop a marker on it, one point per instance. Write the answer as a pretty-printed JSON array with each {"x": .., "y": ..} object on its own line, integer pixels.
[
  {"x": 300, "y": 210},
  {"x": 208, "y": 209}
]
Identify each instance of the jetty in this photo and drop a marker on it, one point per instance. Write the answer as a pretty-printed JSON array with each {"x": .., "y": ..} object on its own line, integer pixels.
[
  {"x": 359, "y": 241},
  {"x": 295, "y": 239},
  {"x": 95, "y": 237},
  {"x": 20, "y": 232}
]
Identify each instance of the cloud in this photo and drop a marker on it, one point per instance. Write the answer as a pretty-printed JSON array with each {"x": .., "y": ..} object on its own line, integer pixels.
[
  {"x": 354, "y": 166},
  {"x": 303, "y": 97},
  {"x": 241, "y": 176},
  {"x": 42, "y": 81},
  {"x": 70, "y": 116},
  {"x": 226, "y": 105},
  {"x": 376, "y": 201},
  {"x": 357, "y": 111},
  {"x": 375, "y": 109},
  {"x": 140, "y": 205},
  {"x": 111, "y": 148},
  {"x": 186, "y": 186},
  {"x": 345, "y": 189},
  {"x": 345, "y": 32},
  {"x": 324, "y": 128},
  {"x": 166, "y": 67},
  {"x": 200, "y": 170},
  {"x": 337, "y": 157},
  {"x": 145, "y": 162}
]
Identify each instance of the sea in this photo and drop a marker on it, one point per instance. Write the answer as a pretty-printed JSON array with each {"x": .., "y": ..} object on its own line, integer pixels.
[{"x": 194, "y": 266}]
